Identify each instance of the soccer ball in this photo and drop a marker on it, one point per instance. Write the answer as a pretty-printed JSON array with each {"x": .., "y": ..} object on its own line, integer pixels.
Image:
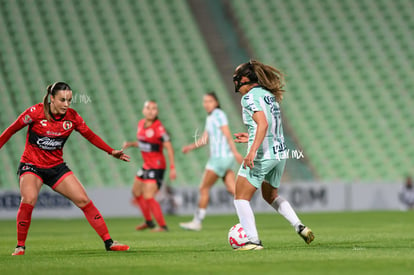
[{"x": 237, "y": 237}]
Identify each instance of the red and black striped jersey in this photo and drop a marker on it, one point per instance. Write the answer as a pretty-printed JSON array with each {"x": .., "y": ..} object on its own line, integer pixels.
[{"x": 150, "y": 142}]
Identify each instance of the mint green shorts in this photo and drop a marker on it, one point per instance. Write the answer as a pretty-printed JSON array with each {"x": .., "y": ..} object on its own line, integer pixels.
[
  {"x": 270, "y": 170},
  {"x": 220, "y": 166}
]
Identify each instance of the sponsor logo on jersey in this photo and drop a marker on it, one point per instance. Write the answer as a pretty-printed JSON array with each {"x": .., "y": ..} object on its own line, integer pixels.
[
  {"x": 269, "y": 99},
  {"x": 28, "y": 168},
  {"x": 149, "y": 133},
  {"x": 32, "y": 109},
  {"x": 53, "y": 133},
  {"x": 27, "y": 119},
  {"x": 43, "y": 122},
  {"x": 144, "y": 147},
  {"x": 47, "y": 143},
  {"x": 67, "y": 125},
  {"x": 148, "y": 147},
  {"x": 251, "y": 107}
]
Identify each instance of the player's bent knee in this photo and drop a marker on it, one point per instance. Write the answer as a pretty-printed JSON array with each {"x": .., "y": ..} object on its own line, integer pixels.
[
  {"x": 269, "y": 198},
  {"x": 29, "y": 200},
  {"x": 136, "y": 193},
  {"x": 81, "y": 202}
]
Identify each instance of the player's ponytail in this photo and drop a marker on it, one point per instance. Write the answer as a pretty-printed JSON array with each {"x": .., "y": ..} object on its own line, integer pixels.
[
  {"x": 46, "y": 106},
  {"x": 51, "y": 90},
  {"x": 270, "y": 78}
]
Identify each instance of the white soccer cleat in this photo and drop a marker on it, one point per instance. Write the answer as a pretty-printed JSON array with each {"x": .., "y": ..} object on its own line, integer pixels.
[
  {"x": 194, "y": 226},
  {"x": 250, "y": 246},
  {"x": 306, "y": 233}
]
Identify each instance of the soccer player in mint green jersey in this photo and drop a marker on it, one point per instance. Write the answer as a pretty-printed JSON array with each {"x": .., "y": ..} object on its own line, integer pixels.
[
  {"x": 223, "y": 154},
  {"x": 261, "y": 87}
]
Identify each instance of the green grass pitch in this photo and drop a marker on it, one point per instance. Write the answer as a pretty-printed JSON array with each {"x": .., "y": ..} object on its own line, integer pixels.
[{"x": 346, "y": 243}]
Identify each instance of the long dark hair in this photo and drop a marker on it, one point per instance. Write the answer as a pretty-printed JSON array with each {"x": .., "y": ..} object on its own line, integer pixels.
[
  {"x": 214, "y": 95},
  {"x": 266, "y": 76},
  {"x": 52, "y": 90}
]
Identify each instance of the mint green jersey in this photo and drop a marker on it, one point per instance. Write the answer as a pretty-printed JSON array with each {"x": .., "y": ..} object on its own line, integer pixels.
[
  {"x": 259, "y": 99},
  {"x": 219, "y": 147}
]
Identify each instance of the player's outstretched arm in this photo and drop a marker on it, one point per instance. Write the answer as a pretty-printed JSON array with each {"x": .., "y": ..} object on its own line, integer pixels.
[
  {"x": 119, "y": 154},
  {"x": 128, "y": 144},
  {"x": 241, "y": 137},
  {"x": 98, "y": 142},
  {"x": 20, "y": 123},
  {"x": 203, "y": 140}
]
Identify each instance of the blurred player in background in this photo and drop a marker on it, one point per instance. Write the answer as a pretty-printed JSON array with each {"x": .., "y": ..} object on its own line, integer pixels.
[
  {"x": 151, "y": 139},
  {"x": 406, "y": 194},
  {"x": 223, "y": 153},
  {"x": 50, "y": 125},
  {"x": 261, "y": 87}
]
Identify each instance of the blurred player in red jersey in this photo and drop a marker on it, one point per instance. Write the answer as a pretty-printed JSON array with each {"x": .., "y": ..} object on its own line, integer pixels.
[
  {"x": 50, "y": 125},
  {"x": 152, "y": 138}
]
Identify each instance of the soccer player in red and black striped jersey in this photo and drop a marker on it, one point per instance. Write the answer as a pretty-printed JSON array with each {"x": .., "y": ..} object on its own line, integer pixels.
[
  {"x": 49, "y": 126},
  {"x": 151, "y": 139}
]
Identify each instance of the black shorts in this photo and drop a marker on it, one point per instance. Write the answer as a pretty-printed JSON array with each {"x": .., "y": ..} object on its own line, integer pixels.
[
  {"x": 49, "y": 176},
  {"x": 151, "y": 175}
]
